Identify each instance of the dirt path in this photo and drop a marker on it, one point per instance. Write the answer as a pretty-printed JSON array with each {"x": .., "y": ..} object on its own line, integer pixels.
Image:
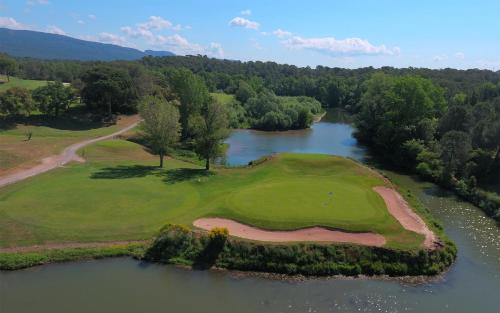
[
  {"x": 317, "y": 234},
  {"x": 52, "y": 162},
  {"x": 68, "y": 245},
  {"x": 400, "y": 209}
]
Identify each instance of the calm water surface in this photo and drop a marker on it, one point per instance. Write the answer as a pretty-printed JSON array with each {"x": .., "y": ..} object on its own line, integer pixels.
[
  {"x": 125, "y": 285},
  {"x": 324, "y": 137}
]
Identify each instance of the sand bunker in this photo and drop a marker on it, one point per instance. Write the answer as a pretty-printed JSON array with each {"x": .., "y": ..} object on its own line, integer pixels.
[
  {"x": 395, "y": 203},
  {"x": 400, "y": 209},
  {"x": 316, "y": 234}
]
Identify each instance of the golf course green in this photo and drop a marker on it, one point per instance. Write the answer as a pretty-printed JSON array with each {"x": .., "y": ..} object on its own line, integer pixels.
[{"x": 120, "y": 194}]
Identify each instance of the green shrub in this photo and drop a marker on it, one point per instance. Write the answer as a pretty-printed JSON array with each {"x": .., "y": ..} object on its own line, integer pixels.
[{"x": 204, "y": 250}]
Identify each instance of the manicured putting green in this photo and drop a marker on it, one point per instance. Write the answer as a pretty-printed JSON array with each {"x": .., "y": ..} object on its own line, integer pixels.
[
  {"x": 111, "y": 197},
  {"x": 314, "y": 199}
]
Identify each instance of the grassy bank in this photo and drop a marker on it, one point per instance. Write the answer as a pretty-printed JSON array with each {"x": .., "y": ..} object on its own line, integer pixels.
[{"x": 19, "y": 260}]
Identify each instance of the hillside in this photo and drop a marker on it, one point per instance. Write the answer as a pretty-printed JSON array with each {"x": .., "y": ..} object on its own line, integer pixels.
[{"x": 25, "y": 43}]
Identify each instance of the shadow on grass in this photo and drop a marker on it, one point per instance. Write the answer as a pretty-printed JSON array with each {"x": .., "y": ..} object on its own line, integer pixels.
[
  {"x": 183, "y": 174},
  {"x": 126, "y": 171},
  {"x": 172, "y": 176}
]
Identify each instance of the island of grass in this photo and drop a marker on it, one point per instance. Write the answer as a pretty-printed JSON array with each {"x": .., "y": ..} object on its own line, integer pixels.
[{"x": 119, "y": 195}]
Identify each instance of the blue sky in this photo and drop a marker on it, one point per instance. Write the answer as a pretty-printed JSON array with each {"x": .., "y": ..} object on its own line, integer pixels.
[{"x": 435, "y": 34}]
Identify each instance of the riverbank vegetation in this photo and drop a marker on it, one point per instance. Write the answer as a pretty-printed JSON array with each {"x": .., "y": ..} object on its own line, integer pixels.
[
  {"x": 408, "y": 122},
  {"x": 18, "y": 260},
  {"x": 178, "y": 245}
]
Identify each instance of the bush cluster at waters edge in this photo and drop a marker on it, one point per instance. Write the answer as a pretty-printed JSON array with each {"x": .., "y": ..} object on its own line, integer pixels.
[{"x": 179, "y": 245}]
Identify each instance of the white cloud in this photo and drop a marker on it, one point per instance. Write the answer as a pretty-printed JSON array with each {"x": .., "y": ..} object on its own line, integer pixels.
[
  {"x": 180, "y": 45},
  {"x": 9, "y": 22},
  {"x": 81, "y": 22},
  {"x": 439, "y": 58},
  {"x": 339, "y": 47},
  {"x": 156, "y": 23},
  {"x": 460, "y": 55},
  {"x": 243, "y": 22},
  {"x": 55, "y": 30},
  {"x": 215, "y": 50},
  {"x": 91, "y": 16},
  {"x": 282, "y": 33},
  {"x": 246, "y": 12},
  {"x": 105, "y": 37},
  {"x": 146, "y": 29},
  {"x": 138, "y": 32}
]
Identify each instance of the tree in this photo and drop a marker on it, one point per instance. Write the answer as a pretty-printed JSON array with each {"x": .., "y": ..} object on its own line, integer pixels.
[
  {"x": 7, "y": 66},
  {"x": 160, "y": 125},
  {"x": 457, "y": 117},
  {"x": 244, "y": 92},
  {"x": 108, "y": 91},
  {"x": 209, "y": 129},
  {"x": 193, "y": 95},
  {"x": 16, "y": 101},
  {"x": 304, "y": 118},
  {"x": 455, "y": 148},
  {"x": 393, "y": 110},
  {"x": 53, "y": 98}
]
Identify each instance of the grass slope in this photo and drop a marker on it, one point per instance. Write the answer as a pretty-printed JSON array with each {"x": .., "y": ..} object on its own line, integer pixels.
[
  {"x": 18, "y": 82},
  {"x": 120, "y": 195}
]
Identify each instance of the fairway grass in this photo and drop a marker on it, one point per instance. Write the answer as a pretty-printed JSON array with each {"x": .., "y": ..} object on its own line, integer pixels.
[
  {"x": 120, "y": 194},
  {"x": 49, "y": 136},
  {"x": 18, "y": 82}
]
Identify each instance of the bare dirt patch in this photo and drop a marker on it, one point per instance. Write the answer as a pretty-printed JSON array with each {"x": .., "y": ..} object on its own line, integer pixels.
[
  {"x": 316, "y": 234},
  {"x": 399, "y": 208}
]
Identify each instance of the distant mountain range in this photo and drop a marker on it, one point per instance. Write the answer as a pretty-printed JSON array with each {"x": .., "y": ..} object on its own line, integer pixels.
[{"x": 33, "y": 44}]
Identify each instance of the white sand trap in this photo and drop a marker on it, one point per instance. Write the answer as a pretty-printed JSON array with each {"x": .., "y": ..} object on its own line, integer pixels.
[
  {"x": 316, "y": 234},
  {"x": 400, "y": 209}
]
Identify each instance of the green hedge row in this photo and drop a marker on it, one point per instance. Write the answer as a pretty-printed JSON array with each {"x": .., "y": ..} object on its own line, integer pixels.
[{"x": 179, "y": 245}]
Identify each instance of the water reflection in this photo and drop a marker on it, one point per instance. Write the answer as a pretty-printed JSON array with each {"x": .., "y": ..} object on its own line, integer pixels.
[{"x": 324, "y": 137}]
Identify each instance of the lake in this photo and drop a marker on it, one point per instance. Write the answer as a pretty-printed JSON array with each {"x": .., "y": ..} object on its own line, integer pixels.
[{"x": 126, "y": 285}]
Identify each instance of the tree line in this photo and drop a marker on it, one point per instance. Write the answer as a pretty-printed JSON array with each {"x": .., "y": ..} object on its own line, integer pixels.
[
  {"x": 52, "y": 99},
  {"x": 440, "y": 124},
  {"x": 409, "y": 123}
]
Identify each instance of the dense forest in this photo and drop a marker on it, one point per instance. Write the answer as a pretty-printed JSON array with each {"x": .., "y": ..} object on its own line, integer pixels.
[{"x": 443, "y": 125}]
